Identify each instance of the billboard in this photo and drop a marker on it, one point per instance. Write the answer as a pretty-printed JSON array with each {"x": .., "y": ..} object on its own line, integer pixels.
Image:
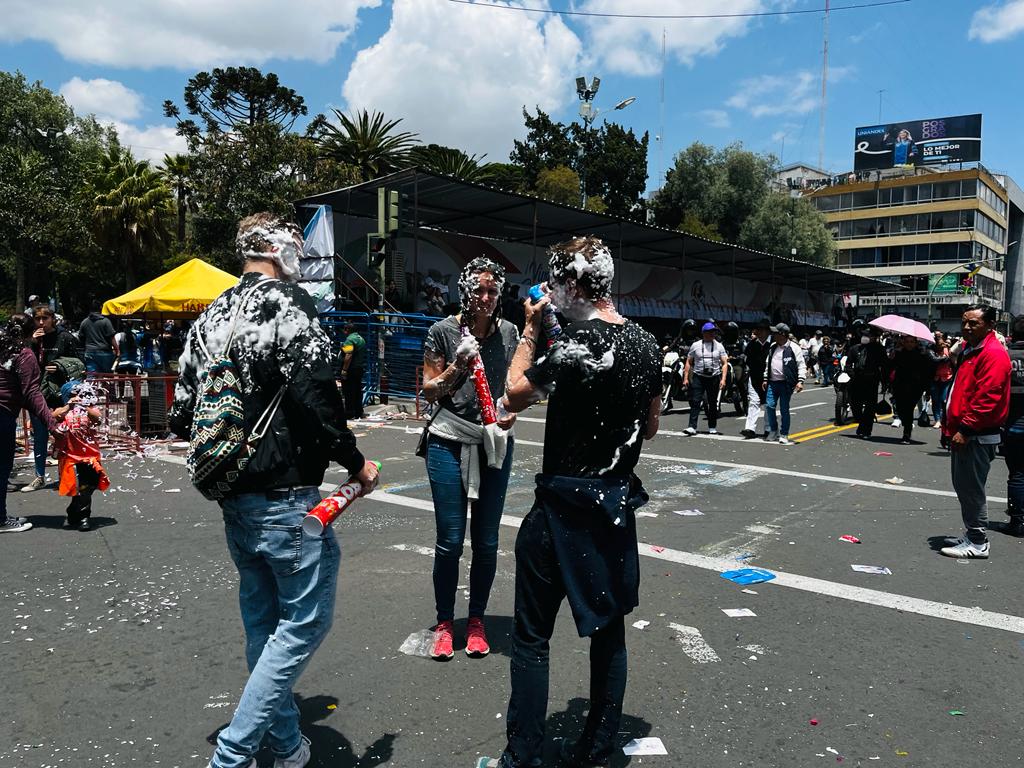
[{"x": 918, "y": 142}]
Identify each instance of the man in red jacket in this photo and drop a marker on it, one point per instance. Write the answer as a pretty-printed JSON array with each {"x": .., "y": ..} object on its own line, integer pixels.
[{"x": 979, "y": 402}]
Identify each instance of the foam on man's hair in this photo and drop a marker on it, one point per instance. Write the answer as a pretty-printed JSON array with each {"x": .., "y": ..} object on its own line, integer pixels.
[{"x": 588, "y": 261}]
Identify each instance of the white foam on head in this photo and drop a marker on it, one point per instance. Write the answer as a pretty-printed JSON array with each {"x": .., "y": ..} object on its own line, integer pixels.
[{"x": 282, "y": 249}]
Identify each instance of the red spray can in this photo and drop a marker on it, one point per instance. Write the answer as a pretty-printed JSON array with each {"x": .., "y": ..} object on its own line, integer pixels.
[
  {"x": 330, "y": 508},
  {"x": 483, "y": 390}
]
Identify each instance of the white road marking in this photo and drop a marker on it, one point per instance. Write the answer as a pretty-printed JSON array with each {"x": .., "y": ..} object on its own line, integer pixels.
[
  {"x": 413, "y": 548},
  {"x": 694, "y": 644},
  {"x": 727, "y": 438}
]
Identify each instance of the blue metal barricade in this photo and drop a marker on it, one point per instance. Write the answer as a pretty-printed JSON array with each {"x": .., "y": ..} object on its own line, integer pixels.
[{"x": 394, "y": 349}]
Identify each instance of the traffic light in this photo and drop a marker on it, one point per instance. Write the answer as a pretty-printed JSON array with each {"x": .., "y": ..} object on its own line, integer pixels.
[
  {"x": 376, "y": 250},
  {"x": 392, "y": 211},
  {"x": 387, "y": 210}
]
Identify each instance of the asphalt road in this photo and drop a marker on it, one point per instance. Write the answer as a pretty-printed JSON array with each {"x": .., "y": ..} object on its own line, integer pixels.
[{"x": 123, "y": 646}]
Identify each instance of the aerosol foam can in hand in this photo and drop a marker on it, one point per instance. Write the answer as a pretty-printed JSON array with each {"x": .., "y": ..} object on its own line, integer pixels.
[
  {"x": 330, "y": 508},
  {"x": 549, "y": 321},
  {"x": 488, "y": 413}
]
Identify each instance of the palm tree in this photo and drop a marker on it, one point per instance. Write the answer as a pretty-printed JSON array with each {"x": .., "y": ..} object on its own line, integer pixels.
[
  {"x": 178, "y": 171},
  {"x": 132, "y": 208},
  {"x": 450, "y": 162},
  {"x": 366, "y": 142}
]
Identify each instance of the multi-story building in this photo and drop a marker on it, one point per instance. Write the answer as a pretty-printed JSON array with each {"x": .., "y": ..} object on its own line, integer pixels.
[{"x": 920, "y": 229}]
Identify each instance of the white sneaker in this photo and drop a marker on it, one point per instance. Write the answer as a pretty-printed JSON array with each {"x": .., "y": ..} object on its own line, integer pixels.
[
  {"x": 690, "y": 431},
  {"x": 784, "y": 440},
  {"x": 250, "y": 765},
  {"x": 38, "y": 483},
  {"x": 712, "y": 431},
  {"x": 298, "y": 759},
  {"x": 896, "y": 423},
  {"x": 966, "y": 549}
]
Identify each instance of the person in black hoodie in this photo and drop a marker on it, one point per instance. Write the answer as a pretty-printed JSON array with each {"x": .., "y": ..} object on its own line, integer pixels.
[
  {"x": 912, "y": 370},
  {"x": 268, "y": 326},
  {"x": 870, "y": 367}
]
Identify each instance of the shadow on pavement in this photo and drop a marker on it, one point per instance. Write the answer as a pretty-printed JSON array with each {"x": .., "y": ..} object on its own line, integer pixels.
[
  {"x": 568, "y": 724},
  {"x": 57, "y": 522},
  {"x": 329, "y": 748}
]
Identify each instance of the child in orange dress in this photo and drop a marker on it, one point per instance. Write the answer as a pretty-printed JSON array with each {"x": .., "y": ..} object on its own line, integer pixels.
[{"x": 78, "y": 453}]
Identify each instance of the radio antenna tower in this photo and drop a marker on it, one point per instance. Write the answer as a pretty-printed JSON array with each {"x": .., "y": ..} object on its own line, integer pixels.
[{"x": 824, "y": 92}]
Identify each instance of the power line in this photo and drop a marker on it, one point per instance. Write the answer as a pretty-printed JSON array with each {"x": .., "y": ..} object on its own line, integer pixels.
[{"x": 751, "y": 14}]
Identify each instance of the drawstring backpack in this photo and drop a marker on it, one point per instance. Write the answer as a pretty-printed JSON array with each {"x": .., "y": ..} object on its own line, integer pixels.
[{"x": 219, "y": 449}]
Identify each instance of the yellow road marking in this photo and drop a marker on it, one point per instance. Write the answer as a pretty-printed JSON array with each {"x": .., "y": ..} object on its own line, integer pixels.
[
  {"x": 807, "y": 432},
  {"x": 804, "y": 437}
]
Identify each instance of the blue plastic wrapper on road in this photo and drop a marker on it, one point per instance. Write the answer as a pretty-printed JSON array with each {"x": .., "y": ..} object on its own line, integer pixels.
[{"x": 748, "y": 575}]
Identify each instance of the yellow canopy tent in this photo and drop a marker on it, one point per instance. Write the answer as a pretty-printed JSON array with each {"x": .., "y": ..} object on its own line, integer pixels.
[{"x": 185, "y": 291}]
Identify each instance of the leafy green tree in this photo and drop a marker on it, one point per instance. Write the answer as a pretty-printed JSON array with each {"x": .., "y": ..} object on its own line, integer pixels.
[
  {"x": 133, "y": 209},
  {"x": 560, "y": 184},
  {"x": 547, "y": 145},
  {"x": 614, "y": 159},
  {"x": 692, "y": 224},
  {"x": 781, "y": 223},
  {"x": 244, "y": 156},
  {"x": 367, "y": 142},
  {"x": 720, "y": 188},
  {"x": 506, "y": 176}
]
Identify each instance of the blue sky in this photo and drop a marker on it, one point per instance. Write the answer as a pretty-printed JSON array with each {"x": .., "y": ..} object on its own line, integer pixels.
[{"x": 459, "y": 74}]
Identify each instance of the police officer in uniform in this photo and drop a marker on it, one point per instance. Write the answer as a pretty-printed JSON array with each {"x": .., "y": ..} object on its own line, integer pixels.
[{"x": 1013, "y": 432}]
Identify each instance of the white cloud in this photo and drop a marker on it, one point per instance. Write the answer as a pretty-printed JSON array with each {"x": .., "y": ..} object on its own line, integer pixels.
[
  {"x": 150, "y": 142},
  {"x": 997, "y": 22},
  {"x": 633, "y": 46},
  {"x": 715, "y": 118},
  {"x": 185, "y": 35},
  {"x": 460, "y": 75},
  {"x": 102, "y": 97},
  {"x": 772, "y": 95}
]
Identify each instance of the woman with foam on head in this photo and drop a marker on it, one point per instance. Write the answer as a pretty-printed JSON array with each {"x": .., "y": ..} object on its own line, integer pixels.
[{"x": 468, "y": 460}]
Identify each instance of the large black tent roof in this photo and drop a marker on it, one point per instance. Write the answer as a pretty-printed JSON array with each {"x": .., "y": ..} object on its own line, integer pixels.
[{"x": 434, "y": 201}]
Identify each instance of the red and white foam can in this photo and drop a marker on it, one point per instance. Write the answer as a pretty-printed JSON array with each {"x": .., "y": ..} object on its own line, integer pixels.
[{"x": 330, "y": 508}]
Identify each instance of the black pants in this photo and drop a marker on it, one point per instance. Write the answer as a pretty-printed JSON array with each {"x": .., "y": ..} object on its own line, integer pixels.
[
  {"x": 539, "y": 593},
  {"x": 904, "y": 403},
  {"x": 704, "y": 389},
  {"x": 352, "y": 390},
  {"x": 80, "y": 507},
  {"x": 863, "y": 399},
  {"x": 1013, "y": 453}
]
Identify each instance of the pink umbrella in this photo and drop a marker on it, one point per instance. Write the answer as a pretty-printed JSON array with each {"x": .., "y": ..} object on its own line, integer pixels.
[{"x": 904, "y": 326}]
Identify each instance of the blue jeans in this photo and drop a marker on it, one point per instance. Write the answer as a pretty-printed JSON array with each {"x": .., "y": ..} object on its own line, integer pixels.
[
  {"x": 286, "y": 595},
  {"x": 939, "y": 391},
  {"x": 8, "y": 431},
  {"x": 99, "y": 362},
  {"x": 40, "y": 442},
  {"x": 443, "y": 471},
  {"x": 779, "y": 393}
]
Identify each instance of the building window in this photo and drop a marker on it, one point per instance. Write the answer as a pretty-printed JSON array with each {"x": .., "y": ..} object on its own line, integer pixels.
[{"x": 865, "y": 199}]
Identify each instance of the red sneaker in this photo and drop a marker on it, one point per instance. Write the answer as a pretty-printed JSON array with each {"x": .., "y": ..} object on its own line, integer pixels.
[
  {"x": 476, "y": 639},
  {"x": 441, "y": 650}
]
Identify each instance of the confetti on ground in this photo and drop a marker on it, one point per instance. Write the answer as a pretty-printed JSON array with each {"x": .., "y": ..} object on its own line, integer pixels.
[
  {"x": 173, "y": 490},
  {"x": 694, "y": 645},
  {"x": 957, "y": 713},
  {"x": 748, "y": 575},
  {"x": 882, "y": 453},
  {"x": 688, "y": 512},
  {"x": 849, "y": 539},
  {"x": 648, "y": 745},
  {"x": 737, "y": 613},
  {"x": 875, "y": 569},
  {"x": 641, "y": 624},
  {"x": 895, "y": 480}
]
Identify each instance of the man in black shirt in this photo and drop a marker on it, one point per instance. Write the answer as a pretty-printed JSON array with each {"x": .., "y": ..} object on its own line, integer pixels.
[
  {"x": 97, "y": 335},
  {"x": 756, "y": 354},
  {"x": 602, "y": 379},
  {"x": 870, "y": 369}
]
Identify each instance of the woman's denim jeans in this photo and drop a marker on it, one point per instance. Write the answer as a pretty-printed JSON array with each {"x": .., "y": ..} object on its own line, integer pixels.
[
  {"x": 443, "y": 470},
  {"x": 286, "y": 594}
]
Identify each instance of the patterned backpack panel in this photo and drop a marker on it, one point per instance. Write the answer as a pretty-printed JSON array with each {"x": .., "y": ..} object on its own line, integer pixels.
[{"x": 219, "y": 448}]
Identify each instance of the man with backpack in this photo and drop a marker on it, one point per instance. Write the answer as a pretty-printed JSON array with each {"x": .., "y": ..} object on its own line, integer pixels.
[{"x": 257, "y": 400}]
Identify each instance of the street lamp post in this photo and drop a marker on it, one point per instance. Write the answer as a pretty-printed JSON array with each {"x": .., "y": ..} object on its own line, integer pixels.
[{"x": 588, "y": 112}]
